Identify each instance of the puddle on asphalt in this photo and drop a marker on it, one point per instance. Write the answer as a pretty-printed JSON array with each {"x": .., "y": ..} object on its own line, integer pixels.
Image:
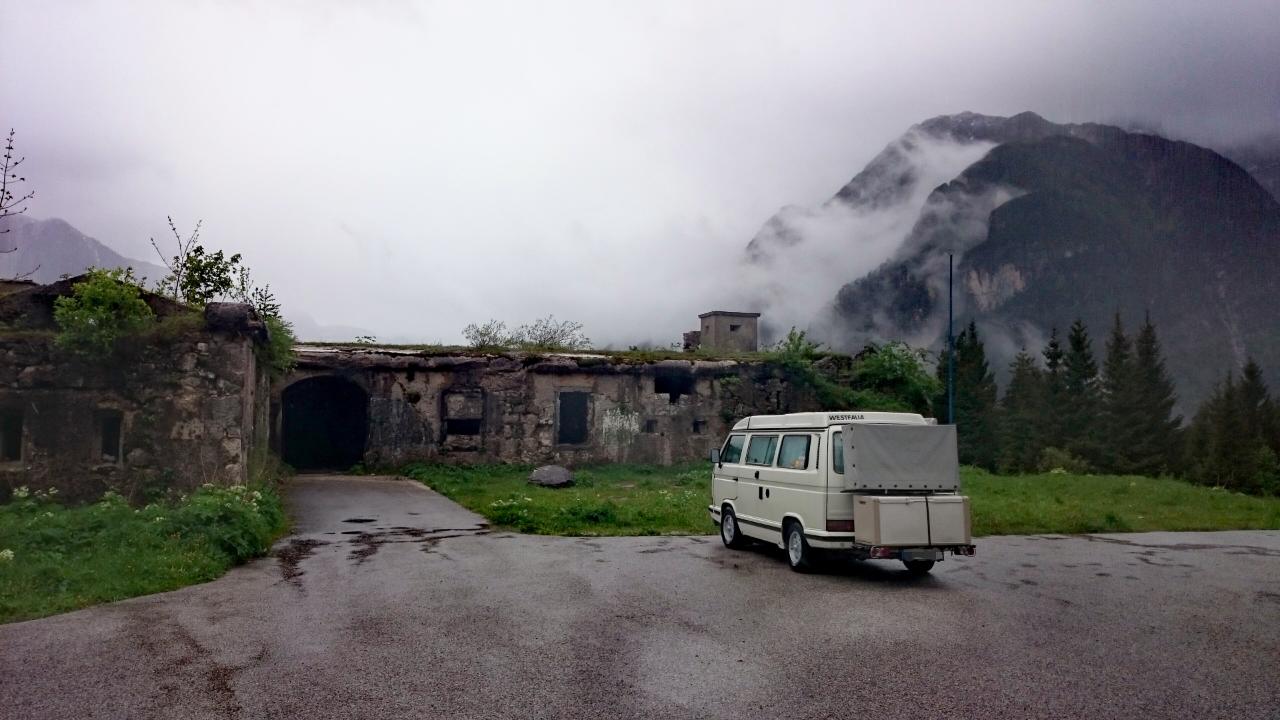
[
  {"x": 360, "y": 520},
  {"x": 295, "y": 552}
]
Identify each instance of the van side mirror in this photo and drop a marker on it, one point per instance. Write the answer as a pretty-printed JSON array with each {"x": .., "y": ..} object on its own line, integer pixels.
[{"x": 715, "y": 456}]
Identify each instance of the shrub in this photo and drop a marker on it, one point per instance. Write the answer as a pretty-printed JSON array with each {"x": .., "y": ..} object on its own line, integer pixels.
[
  {"x": 493, "y": 334},
  {"x": 278, "y": 352},
  {"x": 1057, "y": 460},
  {"x": 102, "y": 309}
]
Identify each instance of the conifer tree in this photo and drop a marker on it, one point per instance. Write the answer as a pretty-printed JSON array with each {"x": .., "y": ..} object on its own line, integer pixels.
[
  {"x": 1155, "y": 436},
  {"x": 1081, "y": 402},
  {"x": 1119, "y": 402},
  {"x": 975, "y": 391},
  {"x": 1020, "y": 412},
  {"x": 1050, "y": 423}
]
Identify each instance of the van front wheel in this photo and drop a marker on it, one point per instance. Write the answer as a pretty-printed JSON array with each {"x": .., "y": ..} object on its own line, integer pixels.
[
  {"x": 729, "y": 532},
  {"x": 799, "y": 555}
]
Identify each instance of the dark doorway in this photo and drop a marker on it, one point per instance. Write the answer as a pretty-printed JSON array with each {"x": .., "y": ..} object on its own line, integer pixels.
[{"x": 324, "y": 423}]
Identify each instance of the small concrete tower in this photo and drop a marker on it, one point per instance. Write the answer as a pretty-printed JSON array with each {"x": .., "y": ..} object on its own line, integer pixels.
[{"x": 729, "y": 331}]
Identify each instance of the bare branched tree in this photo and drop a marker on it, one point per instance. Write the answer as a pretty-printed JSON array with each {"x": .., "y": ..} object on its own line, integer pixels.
[{"x": 12, "y": 203}]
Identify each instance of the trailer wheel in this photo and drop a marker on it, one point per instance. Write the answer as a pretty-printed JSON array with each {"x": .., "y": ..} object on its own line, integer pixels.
[
  {"x": 730, "y": 535},
  {"x": 799, "y": 554},
  {"x": 918, "y": 567}
]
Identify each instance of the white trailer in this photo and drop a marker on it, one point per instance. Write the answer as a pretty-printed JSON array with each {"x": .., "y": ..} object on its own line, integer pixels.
[{"x": 875, "y": 485}]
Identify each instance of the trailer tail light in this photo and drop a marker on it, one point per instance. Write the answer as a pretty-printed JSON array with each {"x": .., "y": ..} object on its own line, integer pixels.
[
  {"x": 883, "y": 553},
  {"x": 839, "y": 525}
]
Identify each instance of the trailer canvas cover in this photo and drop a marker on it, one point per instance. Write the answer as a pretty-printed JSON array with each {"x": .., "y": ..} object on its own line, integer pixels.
[{"x": 900, "y": 457}]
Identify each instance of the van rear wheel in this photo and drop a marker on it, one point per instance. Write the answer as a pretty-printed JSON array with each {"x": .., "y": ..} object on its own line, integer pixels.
[
  {"x": 730, "y": 535},
  {"x": 799, "y": 554},
  {"x": 918, "y": 567}
]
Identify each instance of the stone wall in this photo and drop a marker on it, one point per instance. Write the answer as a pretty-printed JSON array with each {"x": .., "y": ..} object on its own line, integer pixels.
[
  {"x": 567, "y": 409},
  {"x": 172, "y": 412}
]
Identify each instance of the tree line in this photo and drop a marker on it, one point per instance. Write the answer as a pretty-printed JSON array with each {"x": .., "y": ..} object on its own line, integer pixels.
[{"x": 1064, "y": 410}]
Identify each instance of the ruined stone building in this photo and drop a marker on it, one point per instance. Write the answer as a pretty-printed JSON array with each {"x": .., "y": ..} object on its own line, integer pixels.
[
  {"x": 189, "y": 402},
  {"x": 185, "y": 404},
  {"x": 385, "y": 407}
]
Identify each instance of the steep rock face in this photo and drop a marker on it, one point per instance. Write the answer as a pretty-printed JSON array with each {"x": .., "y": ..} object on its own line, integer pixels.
[
  {"x": 1081, "y": 221},
  {"x": 53, "y": 248}
]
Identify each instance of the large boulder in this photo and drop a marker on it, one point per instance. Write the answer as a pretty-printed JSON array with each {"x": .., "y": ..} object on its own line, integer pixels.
[{"x": 552, "y": 476}]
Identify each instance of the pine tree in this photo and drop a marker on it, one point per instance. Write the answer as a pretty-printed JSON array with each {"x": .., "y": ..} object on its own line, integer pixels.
[
  {"x": 1119, "y": 402},
  {"x": 1021, "y": 410},
  {"x": 975, "y": 391},
  {"x": 1050, "y": 423},
  {"x": 1081, "y": 403},
  {"x": 1155, "y": 437}
]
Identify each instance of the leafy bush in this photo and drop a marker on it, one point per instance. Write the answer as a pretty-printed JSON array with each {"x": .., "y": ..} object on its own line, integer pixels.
[
  {"x": 491, "y": 335},
  {"x": 1057, "y": 460},
  {"x": 102, "y": 309},
  {"x": 546, "y": 334},
  {"x": 278, "y": 353},
  {"x": 896, "y": 371},
  {"x": 61, "y": 558}
]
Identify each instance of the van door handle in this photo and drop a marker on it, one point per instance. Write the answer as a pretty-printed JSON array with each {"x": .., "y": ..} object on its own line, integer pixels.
[{"x": 757, "y": 474}]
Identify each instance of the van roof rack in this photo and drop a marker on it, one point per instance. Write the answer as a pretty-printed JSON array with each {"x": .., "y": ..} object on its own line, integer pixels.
[{"x": 826, "y": 419}]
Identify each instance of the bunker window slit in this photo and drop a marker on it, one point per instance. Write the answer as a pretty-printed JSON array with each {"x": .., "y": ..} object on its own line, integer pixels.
[
  {"x": 10, "y": 435},
  {"x": 110, "y": 437}
]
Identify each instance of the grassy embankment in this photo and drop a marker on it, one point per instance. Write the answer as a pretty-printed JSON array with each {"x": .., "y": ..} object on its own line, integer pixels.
[
  {"x": 647, "y": 500},
  {"x": 55, "y": 558}
]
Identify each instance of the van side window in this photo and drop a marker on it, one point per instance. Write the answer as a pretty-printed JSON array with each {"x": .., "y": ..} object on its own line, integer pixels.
[
  {"x": 760, "y": 450},
  {"x": 837, "y": 453},
  {"x": 732, "y": 452},
  {"x": 794, "y": 454}
]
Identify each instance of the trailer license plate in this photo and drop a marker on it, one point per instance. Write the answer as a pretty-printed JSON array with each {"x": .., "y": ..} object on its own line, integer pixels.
[{"x": 920, "y": 555}]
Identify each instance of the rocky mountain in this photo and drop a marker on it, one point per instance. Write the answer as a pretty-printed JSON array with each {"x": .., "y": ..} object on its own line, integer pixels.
[
  {"x": 1058, "y": 221},
  {"x": 53, "y": 248}
]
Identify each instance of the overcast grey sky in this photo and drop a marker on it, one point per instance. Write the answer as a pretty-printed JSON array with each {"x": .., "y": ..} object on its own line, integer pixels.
[{"x": 408, "y": 167}]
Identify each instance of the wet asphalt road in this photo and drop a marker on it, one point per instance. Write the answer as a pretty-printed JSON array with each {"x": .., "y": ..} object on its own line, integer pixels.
[{"x": 418, "y": 612}]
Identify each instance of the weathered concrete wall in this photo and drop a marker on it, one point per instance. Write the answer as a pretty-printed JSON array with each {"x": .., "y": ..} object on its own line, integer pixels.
[
  {"x": 190, "y": 410},
  {"x": 512, "y": 408}
]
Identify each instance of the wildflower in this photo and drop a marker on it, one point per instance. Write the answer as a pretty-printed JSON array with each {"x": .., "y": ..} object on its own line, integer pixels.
[
  {"x": 6, "y": 555},
  {"x": 21, "y": 492}
]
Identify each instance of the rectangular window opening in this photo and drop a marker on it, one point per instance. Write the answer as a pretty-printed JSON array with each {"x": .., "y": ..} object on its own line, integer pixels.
[
  {"x": 837, "y": 453},
  {"x": 650, "y": 426},
  {"x": 462, "y": 426},
  {"x": 673, "y": 385},
  {"x": 10, "y": 436},
  {"x": 699, "y": 426},
  {"x": 110, "y": 424},
  {"x": 572, "y": 421},
  {"x": 735, "y": 328}
]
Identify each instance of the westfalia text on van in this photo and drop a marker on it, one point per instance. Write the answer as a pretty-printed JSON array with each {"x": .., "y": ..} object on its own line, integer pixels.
[{"x": 876, "y": 485}]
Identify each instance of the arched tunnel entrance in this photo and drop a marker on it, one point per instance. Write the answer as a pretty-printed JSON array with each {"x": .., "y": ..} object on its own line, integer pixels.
[{"x": 324, "y": 423}]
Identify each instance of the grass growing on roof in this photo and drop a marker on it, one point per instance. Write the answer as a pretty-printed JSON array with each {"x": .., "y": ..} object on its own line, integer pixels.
[{"x": 653, "y": 500}]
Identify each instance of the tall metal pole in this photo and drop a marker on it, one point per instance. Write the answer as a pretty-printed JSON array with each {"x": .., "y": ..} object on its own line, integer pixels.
[{"x": 951, "y": 343}]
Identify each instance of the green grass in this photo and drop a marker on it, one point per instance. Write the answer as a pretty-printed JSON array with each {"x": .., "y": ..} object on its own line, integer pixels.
[
  {"x": 55, "y": 558},
  {"x": 605, "y": 499},
  {"x": 1064, "y": 503},
  {"x": 649, "y": 500}
]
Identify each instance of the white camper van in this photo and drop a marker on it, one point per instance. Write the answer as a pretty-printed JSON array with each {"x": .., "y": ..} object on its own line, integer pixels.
[{"x": 877, "y": 485}]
